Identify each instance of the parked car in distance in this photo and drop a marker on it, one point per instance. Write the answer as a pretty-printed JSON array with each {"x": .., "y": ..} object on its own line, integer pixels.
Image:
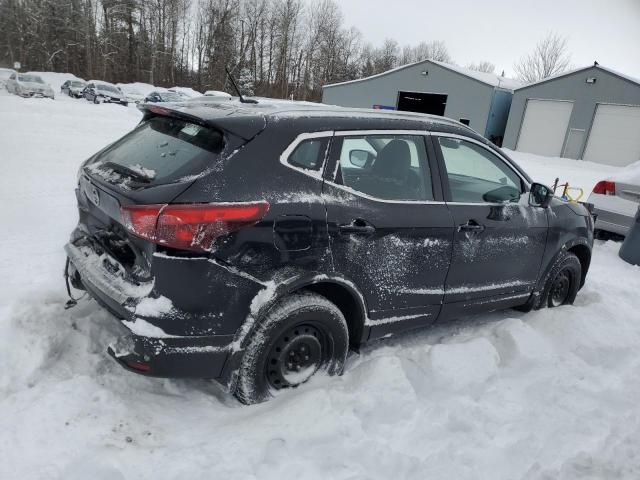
[
  {"x": 255, "y": 244},
  {"x": 182, "y": 95},
  {"x": 98, "y": 91},
  {"x": 162, "y": 96},
  {"x": 5, "y": 73},
  {"x": 616, "y": 202},
  {"x": 132, "y": 94},
  {"x": 217, "y": 94},
  {"x": 29, "y": 85},
  {"x": 73, "y": 88}
]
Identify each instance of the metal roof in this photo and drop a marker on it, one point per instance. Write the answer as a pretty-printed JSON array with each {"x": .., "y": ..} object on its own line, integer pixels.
[{"x": 482, "y": 77}]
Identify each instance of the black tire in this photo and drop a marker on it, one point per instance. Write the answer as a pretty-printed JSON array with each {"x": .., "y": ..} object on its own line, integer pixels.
[
  {"x": 563, "y": 282},
  {"x": 300, "y": 335}
]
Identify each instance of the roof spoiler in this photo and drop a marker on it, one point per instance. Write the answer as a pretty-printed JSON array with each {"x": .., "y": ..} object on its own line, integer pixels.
[{"x": 245, "y": 127}]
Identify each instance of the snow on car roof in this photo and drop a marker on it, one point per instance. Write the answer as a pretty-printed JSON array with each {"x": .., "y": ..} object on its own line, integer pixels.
[
  {"x": 210, "y": 108},
  {"x": 629, "y": 175},
  {"x": 483, "y": 77}
]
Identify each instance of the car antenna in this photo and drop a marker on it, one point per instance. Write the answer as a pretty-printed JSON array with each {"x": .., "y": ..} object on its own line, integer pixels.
[{"x": 233, "y": 82}]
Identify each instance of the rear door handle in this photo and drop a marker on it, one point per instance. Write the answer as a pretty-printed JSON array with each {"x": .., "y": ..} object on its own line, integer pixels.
[
  {"x": 357, "y": 227},
  {"x": 471, "y": 226}
]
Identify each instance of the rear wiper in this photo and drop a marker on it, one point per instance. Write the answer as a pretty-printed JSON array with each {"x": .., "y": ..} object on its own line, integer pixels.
[{"x": 121, "y": 169}]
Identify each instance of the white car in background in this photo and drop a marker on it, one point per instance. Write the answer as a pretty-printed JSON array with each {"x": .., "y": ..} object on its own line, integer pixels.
[
  {"x": 5, "y": 73},
  {"x": 29, "y": 85},
  {"x": 616, "y": 201},
  {"x": 133, "y": 94}
]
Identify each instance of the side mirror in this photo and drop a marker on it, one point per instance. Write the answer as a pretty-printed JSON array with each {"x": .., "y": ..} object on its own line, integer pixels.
[
  {"x": 359, "y": 158},
  {"x": 540, "y": 195}
]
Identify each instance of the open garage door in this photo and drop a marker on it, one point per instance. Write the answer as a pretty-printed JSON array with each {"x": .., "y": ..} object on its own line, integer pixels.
[
  {"x": 432, "y": 103},
  {"x": 544, "y": 127},
  {"x": 615, "y": 135}
]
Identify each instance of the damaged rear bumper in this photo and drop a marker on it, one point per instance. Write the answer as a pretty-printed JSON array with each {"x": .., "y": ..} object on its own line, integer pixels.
[
  {"x": 143, "y": 347},
  {"x": 173, "y": 357}
]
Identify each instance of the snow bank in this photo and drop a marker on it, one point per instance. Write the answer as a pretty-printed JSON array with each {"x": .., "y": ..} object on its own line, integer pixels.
[
  {"x": 548, "y": 394},
  {"x": 629, "y": 174},
  {"x": 139, "y": 88},
  {"x": 578, "y": 173},
  {"x": 190, "y": 92}
]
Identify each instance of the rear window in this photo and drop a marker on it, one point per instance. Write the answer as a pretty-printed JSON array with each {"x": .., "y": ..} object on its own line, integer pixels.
[
  {"x": 107, "y": 88},
  {"x": 160, "y": 150}
]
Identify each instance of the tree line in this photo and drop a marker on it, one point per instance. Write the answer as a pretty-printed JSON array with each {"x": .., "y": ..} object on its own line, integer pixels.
[{"x": 274, "y": 48}]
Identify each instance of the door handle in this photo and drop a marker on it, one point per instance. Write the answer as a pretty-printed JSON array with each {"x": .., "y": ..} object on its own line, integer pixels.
[
  {"x": 357, "y": 227},
  {"x": 471, "y": 226}
]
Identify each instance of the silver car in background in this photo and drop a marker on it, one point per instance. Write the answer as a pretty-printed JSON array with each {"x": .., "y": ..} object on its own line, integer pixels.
[
  {"x": 29, "y": 85},
  {"x": 5, "y": 73},
  {"x": 73, "y": 88},
  {"x": 616, "y": 201}
]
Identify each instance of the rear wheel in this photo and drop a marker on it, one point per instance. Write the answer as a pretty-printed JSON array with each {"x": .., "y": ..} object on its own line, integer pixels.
[{"x": 303, "y": 334}]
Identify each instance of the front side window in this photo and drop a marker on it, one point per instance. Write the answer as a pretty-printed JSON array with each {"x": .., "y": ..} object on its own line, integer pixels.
[
  {"x": 309, "y": 154},
  {"x": 476, "y": 175},
  {"x": 386, "y": 166}
]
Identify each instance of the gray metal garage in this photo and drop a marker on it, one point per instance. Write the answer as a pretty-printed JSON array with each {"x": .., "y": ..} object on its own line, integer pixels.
[
  {"x": 592, "y": 113},
  {"x": 480, "y": 100}
]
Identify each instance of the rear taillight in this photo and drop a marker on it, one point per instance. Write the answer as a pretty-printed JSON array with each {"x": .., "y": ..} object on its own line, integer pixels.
[
  {"x": 605, "y": 188},
  {"x": 190, "y": 226}
]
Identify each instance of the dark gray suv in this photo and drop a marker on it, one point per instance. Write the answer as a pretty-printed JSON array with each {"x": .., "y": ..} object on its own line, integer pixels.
[{"x": 255, "y": 244}]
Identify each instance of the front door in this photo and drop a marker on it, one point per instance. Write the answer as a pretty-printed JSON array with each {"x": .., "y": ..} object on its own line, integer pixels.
[
  {"x": 390, "y": 231},
  {"x": 499, "y": 239}
]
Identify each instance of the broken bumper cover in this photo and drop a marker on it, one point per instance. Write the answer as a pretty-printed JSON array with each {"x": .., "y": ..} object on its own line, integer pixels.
[
  {"x": 160, "y": 355},
  {"x": 174, "y": 357}
]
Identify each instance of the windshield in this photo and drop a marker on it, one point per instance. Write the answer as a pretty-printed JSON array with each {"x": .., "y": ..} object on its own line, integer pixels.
[
  {"x": 170, "y": 97},
  {"x": 30, "y": 78},
  {"x": 107, "y": 88},
  {"x": 162, "y": 150},
  {"x": 78, "y": 84}
]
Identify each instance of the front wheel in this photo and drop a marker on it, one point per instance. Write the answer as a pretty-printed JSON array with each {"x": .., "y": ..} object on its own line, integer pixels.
[
  {"x": 303, "y": 334},
  {"x": 97, "y": 99},
  {"x": 563, "y": 282}
]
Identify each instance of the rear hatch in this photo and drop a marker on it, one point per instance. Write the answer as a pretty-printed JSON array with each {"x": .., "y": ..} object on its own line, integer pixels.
[{"x": 147, "y": 168}]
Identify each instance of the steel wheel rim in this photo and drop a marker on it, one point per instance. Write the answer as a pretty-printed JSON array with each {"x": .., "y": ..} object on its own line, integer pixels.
[
  {"x": 296, "y": 355},
  {"x": 560, "y": 288}
]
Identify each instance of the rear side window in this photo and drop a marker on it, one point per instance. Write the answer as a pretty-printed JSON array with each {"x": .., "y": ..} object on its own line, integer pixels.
[
  {"x": 160, "y": 150},
  {"x": 309, "y": 154},
  {"x": 386, "y": 167}
]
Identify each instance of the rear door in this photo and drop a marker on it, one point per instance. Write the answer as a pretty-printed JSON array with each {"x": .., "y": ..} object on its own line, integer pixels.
[
  {"x": 499, "y": 240},
  {"x": 390, "y": 231}
]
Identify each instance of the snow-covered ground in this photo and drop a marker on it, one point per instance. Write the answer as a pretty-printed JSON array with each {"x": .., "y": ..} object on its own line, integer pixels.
[{"x": 549, "y": 394}]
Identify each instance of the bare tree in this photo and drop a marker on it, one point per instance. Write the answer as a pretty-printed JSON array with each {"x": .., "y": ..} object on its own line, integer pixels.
[
  {"x": 435, "y": 50},
  {"x": 483, "y": 66},
  {"x": 550, "y": 57}
]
